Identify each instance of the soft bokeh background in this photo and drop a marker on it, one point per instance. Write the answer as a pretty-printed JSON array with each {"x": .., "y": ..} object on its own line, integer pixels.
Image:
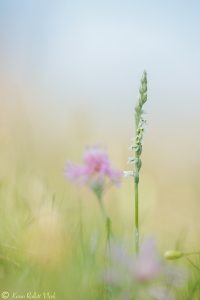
[{"x": 69, "y": 77}]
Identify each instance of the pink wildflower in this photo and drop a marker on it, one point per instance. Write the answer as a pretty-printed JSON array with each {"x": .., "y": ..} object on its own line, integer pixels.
[
  {"x": 144, "y": 275},
  {"x": 147, "y": 264},
  {"x": 96, "y": 170}
]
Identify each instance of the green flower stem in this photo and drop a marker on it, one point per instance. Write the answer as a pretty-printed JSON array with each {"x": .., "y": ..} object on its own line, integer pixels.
[
  {"x": 106, "y": 218},
  {"x": 191, "y": 253},
  {"x": 137, "y": 237},
  {"x": 191, "y": 262}
]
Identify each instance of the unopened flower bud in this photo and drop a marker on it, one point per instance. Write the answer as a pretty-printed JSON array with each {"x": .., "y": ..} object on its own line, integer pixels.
[{"x": 173, "y": 254}]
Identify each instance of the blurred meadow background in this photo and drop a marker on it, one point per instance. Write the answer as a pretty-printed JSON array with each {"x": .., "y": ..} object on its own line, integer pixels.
[{"x": 69, "y": 77}]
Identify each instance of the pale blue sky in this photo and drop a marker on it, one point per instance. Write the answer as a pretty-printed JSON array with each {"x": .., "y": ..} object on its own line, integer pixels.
[{"x": 91, "y": 54}]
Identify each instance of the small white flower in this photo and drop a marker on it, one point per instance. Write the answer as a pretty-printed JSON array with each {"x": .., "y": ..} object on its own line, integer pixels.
[{"x": 129, "y": 173}]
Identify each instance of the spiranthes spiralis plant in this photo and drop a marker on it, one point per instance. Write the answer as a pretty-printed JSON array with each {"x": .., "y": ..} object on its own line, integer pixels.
[{"x": 136, "y": 148}]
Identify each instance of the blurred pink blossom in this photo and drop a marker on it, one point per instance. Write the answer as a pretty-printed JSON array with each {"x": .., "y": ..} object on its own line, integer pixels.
[
  {"x": 141, "y": 272},
  {"x": 96, "y": 170},
  {"x": 147, "y": 264}
]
